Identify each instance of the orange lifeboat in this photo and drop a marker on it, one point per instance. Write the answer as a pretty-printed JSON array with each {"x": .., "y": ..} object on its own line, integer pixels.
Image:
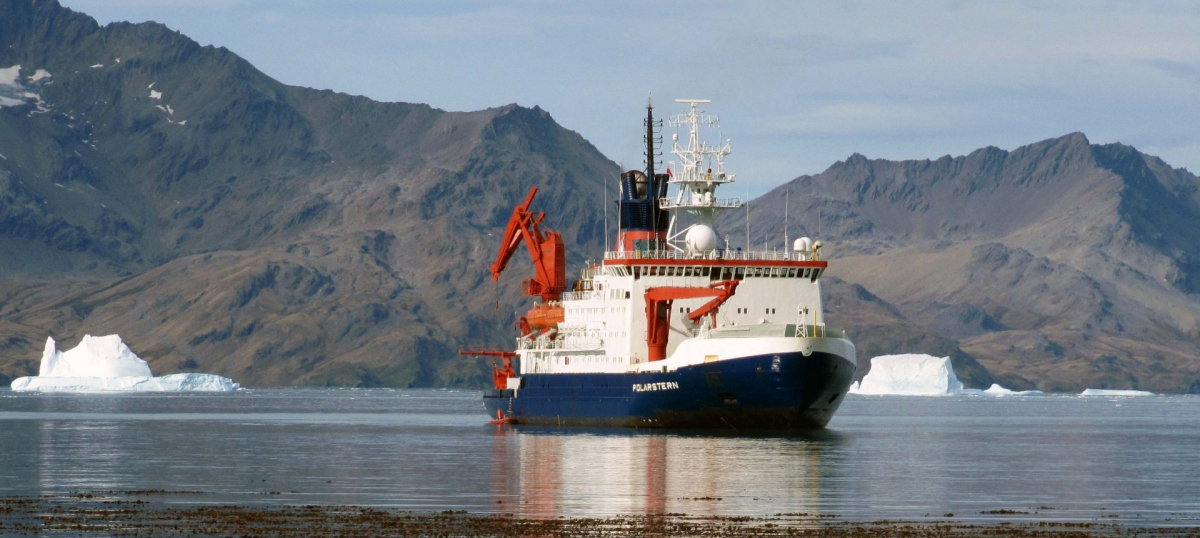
[{"x": 545, "y": 316}]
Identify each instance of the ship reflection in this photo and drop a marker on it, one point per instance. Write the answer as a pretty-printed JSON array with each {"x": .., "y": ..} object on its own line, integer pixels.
[{"x": 544, "y": 473}]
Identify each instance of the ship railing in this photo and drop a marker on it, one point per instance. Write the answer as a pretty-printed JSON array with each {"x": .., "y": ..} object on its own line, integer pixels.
[
  {"x": 579, "y": 295},
  {"x": 560, "y": 343},
  {"x": 818, "y": 330},
  {"x": 719, "y": 254},
  {"x": 722, "y": 203}
]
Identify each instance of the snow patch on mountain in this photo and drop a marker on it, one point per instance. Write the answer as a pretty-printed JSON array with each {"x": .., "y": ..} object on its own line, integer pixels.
[{"x": 14, "y": 92}]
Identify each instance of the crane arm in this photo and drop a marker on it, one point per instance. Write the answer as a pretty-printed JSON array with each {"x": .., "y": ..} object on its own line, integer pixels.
[
  {"x": 545, "y": 249},
  {"x": 512, "y": 235}
]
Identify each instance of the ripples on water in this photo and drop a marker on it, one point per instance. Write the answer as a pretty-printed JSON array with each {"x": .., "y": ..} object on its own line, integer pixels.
[{"x": 1056, "y": 457}]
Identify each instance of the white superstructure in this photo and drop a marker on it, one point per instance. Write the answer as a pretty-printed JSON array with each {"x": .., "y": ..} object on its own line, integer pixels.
[{"x": 606, "y": 327}]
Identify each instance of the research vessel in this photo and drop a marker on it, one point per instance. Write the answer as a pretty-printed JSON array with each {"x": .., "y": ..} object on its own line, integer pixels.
[{"x": 673, "y": 328}]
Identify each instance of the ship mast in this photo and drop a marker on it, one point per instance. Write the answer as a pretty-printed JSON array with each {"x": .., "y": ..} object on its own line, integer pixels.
[{"x": 701, "y": 170}]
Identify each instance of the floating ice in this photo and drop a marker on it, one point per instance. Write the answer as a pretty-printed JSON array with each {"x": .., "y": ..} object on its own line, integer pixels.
[
  {"x": 921, "y": 375},
  {"x": 39, "y": 75},
  {"x": 156, "y": 95},
  {"x": 997, "y": 390},
  {"x": 1110, "y": 392},
  {"x": 913, "y": 374},
  {"x": 105, "y": 363}
]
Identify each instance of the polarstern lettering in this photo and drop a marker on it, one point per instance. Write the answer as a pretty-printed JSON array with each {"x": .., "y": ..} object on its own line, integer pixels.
[{"x": 648, "y": 387}]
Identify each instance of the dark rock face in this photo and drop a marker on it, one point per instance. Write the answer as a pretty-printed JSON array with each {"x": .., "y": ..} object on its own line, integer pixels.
[
  {"x": 221, "y": 221},
  {"x": 1061, "y": 265}
]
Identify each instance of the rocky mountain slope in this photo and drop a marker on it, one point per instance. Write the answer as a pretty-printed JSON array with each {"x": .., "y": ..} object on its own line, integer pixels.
[
  {"x": 1059, "y": 265},
  {"x": 224, "y": 222}
]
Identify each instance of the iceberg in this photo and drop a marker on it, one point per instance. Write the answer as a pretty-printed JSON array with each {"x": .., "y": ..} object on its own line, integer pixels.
[
  {"x": 921, "y": 375},
  {"x": 910, "y": 375},
  {"x": 105, "y": 363},
  {"x": 1111, "y": 392},
  {"x": 997, "y": 390}
]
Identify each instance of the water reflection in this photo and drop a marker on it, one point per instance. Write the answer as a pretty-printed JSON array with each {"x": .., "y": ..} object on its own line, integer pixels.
[{"x": 548, "y": 473}]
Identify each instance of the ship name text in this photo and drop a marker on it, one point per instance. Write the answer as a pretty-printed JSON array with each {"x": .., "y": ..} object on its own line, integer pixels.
[{"x": 649, "y": 387}]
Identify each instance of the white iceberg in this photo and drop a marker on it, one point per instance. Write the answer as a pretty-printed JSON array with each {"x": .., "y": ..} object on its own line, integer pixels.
[
  {"x": 910, "y": 375},
  {"x": 997, "y": 390},
  {"x": 1111, "y": 392},
  {"x": 105, "y": 363},
  {"x": 921, "y": 375}
]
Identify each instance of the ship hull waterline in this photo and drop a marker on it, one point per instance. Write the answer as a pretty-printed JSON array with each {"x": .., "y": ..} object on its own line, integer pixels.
[{"x": 783, "y": 391}]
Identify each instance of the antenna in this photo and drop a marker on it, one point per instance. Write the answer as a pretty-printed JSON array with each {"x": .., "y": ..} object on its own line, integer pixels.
[
  {"x": 653, "y": 142},
  {"x": 747, "y": 217},
  {"x": 605, "y": 215},
  {"x": 787, "y": 193}
]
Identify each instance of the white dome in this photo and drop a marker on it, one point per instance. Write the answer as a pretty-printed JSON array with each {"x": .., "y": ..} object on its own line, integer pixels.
[
  {"x": 803, "y": 244},
  {"x": 701, "y": 238}
]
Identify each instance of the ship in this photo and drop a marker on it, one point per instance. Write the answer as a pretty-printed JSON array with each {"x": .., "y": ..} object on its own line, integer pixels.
[{"x": 673, "y": 328}]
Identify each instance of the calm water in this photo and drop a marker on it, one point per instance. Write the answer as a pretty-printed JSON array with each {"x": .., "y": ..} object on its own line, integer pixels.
[{"x": 882, "y": 457}]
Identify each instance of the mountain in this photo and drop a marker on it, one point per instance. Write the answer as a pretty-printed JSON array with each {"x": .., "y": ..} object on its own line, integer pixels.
[
  {"x": 221, "y": 221},
  {"x": 224, "y": 222},
  {"x": 1060, "y": 265}
]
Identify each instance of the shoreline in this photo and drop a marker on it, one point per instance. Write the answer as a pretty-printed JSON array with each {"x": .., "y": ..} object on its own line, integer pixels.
[{"x": 144, "y": 513}]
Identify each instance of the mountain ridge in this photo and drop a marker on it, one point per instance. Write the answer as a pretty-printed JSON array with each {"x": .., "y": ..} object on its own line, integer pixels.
[
  {"x": 221, "y": 220},
  {"x": 1059, "y": 265}
]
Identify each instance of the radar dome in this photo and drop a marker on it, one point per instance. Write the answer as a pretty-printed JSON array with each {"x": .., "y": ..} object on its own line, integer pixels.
[
  {"x": 803, "y": 244},
  {"x": 701, "y": 238}
]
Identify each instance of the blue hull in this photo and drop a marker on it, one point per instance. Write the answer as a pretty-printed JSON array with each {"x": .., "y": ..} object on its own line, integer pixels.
[{"x": 782, "y": 391}]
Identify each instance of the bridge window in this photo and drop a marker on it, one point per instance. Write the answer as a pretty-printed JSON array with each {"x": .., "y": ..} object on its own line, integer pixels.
[{"x": 807, "y": 272}]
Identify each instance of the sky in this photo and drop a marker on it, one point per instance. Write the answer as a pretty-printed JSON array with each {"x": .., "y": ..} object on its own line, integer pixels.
[{"x": 797, "y": 85}]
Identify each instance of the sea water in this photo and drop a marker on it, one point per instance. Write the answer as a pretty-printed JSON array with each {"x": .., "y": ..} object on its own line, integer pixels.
[{"x": 1130, "y": 459}]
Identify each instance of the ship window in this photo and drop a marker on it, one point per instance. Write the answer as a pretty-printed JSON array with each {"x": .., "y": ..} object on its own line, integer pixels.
[
  {"x": 726, "y": 273},
  {"x": 626, "y": 295},
  {"x": 792, "y": 272},
  {"x": 807, "y": 272},
  {"x": 671, "y": 271},
  {"x": 637, "y": 272},
  {"x": 737, "y": 273},
  {"x": 703, "y": 271},
  {"x": 758, "y": 271},
  {"x": 687, "y": 271}
]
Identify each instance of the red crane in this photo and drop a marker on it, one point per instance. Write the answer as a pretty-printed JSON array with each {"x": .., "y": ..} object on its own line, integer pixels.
[
  {"x": 545, "y": 248},
  {"x": 549, "y": 263},
  {"x": 658, "y": 311}
]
